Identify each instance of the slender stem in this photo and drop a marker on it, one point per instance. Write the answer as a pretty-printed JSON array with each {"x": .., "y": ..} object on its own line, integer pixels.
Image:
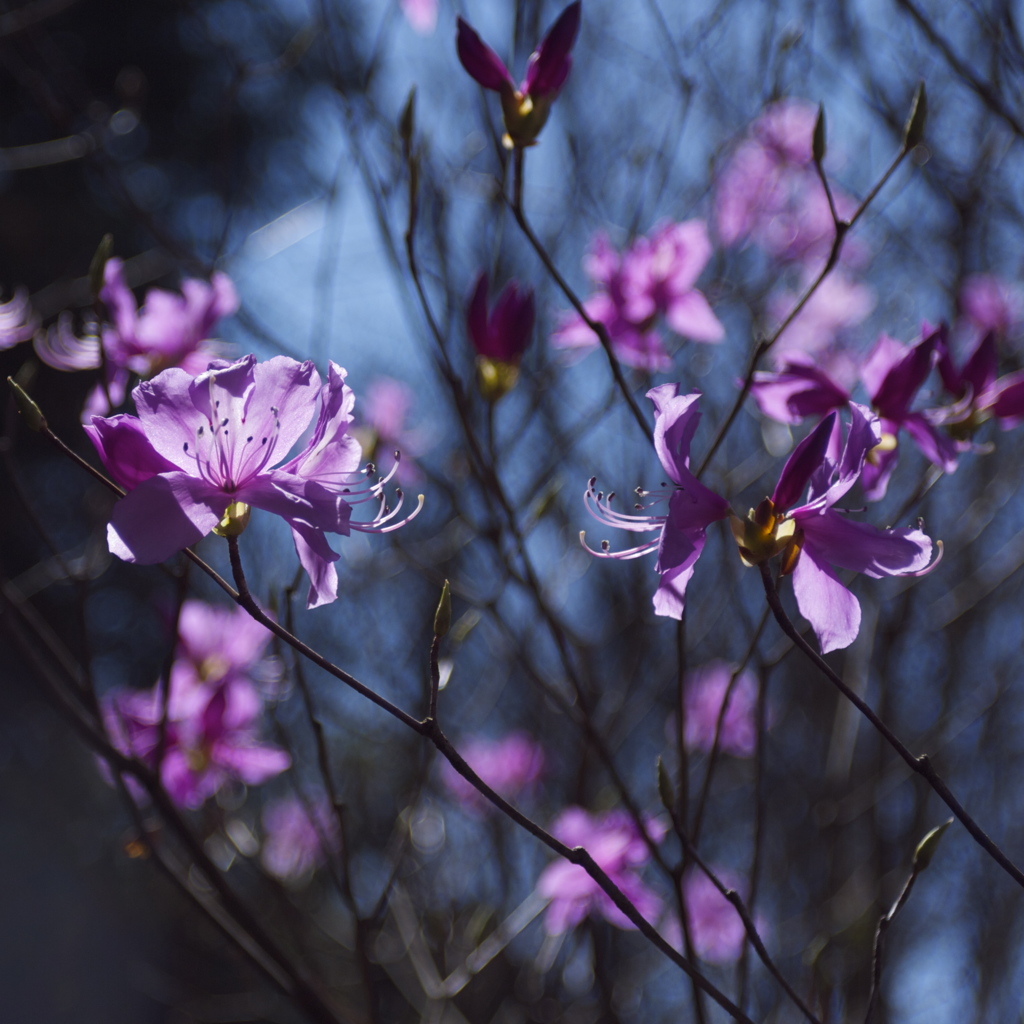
[
  {"x": 596, "y": 326},
  {"x": 842, "y": 228},
  {"x": 435, "y": 677},
  {"x": 920, "y": 765}
]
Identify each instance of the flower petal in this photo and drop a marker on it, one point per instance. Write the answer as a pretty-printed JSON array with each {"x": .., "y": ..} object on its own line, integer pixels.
[
  {"x": 317, "y": 558},
  {"x": 805, "y": 459},
  {"x": 550, "y": 63},
  {"x": 832, "y": 611},
  {"x": 163, "y": 515},
  {"x": 865, "y": 548},
  {"x": 125, "y": 450},
  {"x": 482, "y": 63},
  {"x": 691, "y": 316}
]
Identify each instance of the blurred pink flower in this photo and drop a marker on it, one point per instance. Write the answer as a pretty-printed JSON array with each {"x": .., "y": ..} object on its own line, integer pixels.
[
  {"x": 769, "y": 190},
  {"x": 654, "y": 278},
  {"x": 988, "y": 303},
  {"x": 212, "y": 710},
  {"x": 509, "y": 766},
  {"x": 294, "y": 843},
  {"x": 169, "y": 330},
  {"x": 716, "y": 929},
  {"x": 704, "y": 693},
  {"x": 617, "y": 847},
  {"x": 421, "y": 15}
]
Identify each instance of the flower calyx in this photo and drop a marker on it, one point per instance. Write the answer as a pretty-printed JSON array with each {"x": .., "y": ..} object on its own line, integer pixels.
[
  {"x": 234, "y": 520},
  {"x": 766, "y": 533}
]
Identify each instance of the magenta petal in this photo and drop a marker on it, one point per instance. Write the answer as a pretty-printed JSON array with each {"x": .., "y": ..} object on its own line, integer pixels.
[
  {"x": 676, "y": 418},
  {"x": 690, "y": 315},
  {"x": 797, "y": 391},
  {"x": 832, "y": 611},
  {"x": 331, "y": 454},
  {"x": 936, "y": 446},
  {"x": 119, "y": 299},
  {"x": 317, "y": 558},
  {"x": 58, "y": 346},
  {"x": 901, "y": 383},
  {"x": 864, "y": 548},
  {"x": 125, "y": 450},
  {"x": 550, "y": 63},
  {"x": 250, "y": 763},
  {"x": 805, "y": 459},
  {"x": 168, "y": 415},
  {"x": 1008, "y": 403},
  {"x": 482, "y": 63},
  {"x": 163, "y": 515}
]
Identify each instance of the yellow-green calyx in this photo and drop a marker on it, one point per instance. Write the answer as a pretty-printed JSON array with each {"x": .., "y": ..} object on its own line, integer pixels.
[
  {"x": 524, "y": 116},
  {"x": 495, "y": 378},
  {"x": 885, "y": 445},
  {"x": 765, "y": 534},
  {"x": 234, "y": 520}
]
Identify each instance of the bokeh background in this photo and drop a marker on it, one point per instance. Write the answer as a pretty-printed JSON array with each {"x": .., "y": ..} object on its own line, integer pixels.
[{"x": 261, "y": 139}]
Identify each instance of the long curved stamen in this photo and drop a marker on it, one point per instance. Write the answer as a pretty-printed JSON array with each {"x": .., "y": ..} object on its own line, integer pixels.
[
  {"x": 622, "y": 556},
  {"x": 599, "y": 507},
  {"x": 375, "y": 525}
]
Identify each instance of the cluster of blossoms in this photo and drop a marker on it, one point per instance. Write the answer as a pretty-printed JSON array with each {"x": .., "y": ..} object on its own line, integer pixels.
[
  {"x": 614, "y": 841},
  {"x": 169, "y": 330},
  {"x": 892, "y": 375},
  {"x": 205, "y": 448},
  {"x": 653, "y": 279},
  {"x": 812, "y": 538},
  {"x": 212, "y": 708},
  {"x": 769, "y": 194}
]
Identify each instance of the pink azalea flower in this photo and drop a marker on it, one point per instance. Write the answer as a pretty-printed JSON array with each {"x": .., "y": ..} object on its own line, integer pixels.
[
  {"x": 893, "y": 373},
  {"x": 169, "y": 330},
  {"x": 294, "y": 843},
  {"x": 213, "y": 709},
  {"x": 525, "y": 109},
  {"x": 18, "y": 320},
  {"x": 704, "y": 694},
  {"x": 692, "y": 507},
  {"x": 981, "y": 394},
  {"x": 509, "y": 766},
  {"x": 619, "y": 850},
  {"x": 769, "y": 190},
  {"x": 815, "y": 540},
  {"x": 655, "y": 278},
  {"x": 421, "y": 15},
  {"x": 217, "y": 439},
  {"x": 716, "y": 928}
]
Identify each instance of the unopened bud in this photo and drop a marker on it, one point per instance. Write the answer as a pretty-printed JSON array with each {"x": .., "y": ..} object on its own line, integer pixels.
[
  {"x": 818, "y": 140},
  {"x": 234, "y": 520},
  {"x": 98, "y": 264},
  {"x": 30, "y": 412},
  {"x": 407, "y": 122},
  {"x": 927, "y": 847},
  {"x": 913, "y": 133},
  {"x": 443, "y": 615}
]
